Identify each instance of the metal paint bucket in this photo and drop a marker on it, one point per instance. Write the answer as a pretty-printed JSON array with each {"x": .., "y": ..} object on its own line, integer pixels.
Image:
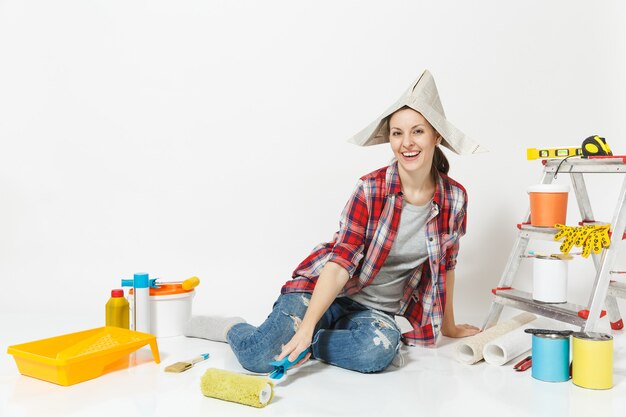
[
  {"x": 550, "y": 357},
  {"x": 549, "y": 280},
  {"x": 592, "y": 360}
]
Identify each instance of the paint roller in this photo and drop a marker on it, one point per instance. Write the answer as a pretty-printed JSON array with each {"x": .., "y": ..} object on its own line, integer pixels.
[
  {"x": 238, "y": 388},
  {"x": 253, "y": 390}
]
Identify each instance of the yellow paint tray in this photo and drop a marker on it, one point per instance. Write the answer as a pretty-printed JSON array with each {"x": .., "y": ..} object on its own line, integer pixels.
[{"x": 77, "y": 357}]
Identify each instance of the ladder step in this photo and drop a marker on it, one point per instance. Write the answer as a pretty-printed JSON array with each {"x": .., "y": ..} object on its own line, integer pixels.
[
  {"x": 596, "y": 223},
  {"x": 534, "y": 232},
  {"x": 574, "y": 165},
  {"x": 547, "y": 233},
  {"x": 566, "y": 312}
]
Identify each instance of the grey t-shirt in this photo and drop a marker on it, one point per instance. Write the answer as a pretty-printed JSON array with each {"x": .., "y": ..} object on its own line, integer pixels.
[{"x": 407, "y": 252}]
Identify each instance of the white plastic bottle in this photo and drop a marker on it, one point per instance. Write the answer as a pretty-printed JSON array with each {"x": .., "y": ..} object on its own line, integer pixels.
[{"x": 141, "y": 301}]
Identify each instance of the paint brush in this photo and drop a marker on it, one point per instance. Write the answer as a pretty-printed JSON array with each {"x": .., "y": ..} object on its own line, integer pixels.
[
  {"x": 183, "y": 366},
  {"x": 524, "y": 366},
  {"x": 522, "y": 362},
  {"x": 561, "y": 256}
]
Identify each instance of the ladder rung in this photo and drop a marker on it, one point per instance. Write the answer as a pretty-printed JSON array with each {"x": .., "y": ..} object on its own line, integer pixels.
[
  {"x": 592, "y": 223},
  {"x": 566, "y": 312},
  {"x": 547, "y": 233},
  {"x": 616, "y": 165},
  {"x": 534, "y": 232},
  {"x": 596, "y": 223}
]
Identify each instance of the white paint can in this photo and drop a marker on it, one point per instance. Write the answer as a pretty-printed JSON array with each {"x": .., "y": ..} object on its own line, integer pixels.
[{"x": 549, "y": 280}]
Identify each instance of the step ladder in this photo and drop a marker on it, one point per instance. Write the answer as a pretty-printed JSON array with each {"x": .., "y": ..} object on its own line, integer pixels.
[{"x": 604, "y": 292}]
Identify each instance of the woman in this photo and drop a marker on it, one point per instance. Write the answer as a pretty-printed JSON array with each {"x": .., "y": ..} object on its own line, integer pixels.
[{"x": 395, "y": 253}]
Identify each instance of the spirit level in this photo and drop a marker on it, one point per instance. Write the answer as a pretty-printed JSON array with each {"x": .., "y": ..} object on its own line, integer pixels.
[{"x": 552, "y": 153}]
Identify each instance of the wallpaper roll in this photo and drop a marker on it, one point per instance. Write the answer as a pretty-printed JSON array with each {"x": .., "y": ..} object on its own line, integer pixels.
[
  {"x": 508, "y": 346},
  {"x": 470, "y": 350}
]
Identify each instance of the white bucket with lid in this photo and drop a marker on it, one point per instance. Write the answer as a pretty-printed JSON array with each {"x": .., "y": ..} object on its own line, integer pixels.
[{"x": 170, "y": 309}]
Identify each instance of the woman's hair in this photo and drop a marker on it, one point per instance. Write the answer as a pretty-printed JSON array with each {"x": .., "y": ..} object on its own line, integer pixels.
[{"x": 440, "y": 162}]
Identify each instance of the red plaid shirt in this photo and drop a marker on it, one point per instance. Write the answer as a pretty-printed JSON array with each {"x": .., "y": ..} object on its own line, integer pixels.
[{"x": 368, "y": 227}]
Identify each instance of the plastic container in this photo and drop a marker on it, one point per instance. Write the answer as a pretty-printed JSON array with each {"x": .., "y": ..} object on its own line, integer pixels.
[
  {"x": 548, "y": 204},
  {"x": 140, "y": 309},
  {"x": 592, "y": 360},
  {"x": 78, "y": 357},
  {"x": 550, "y": 357},
  {"x": 170, "y": 309},
  {"x": 549, "y": 280},
  {"x": 117, "y": 310}
]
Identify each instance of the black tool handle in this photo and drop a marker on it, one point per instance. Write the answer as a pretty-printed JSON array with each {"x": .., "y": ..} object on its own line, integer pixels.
[{"x": 546, "y": 332}]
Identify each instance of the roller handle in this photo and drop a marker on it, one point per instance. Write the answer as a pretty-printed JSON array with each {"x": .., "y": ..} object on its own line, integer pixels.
[{"x": 281, "y": 366}]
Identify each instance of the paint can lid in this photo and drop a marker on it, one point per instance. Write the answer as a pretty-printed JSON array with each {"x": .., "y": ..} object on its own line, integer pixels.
[
  {"x": 592, "y": 336},
  {"x": 549, "y": 188},
  {"x": 551, "y": 336},
  {"x": 166, "y": 289}
]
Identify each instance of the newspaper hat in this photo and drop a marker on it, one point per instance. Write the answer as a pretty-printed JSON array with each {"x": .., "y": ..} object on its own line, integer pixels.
[{"x": 422, "y": 97}]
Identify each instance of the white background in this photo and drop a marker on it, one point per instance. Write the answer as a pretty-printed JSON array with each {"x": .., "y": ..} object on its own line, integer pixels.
[{"x": 208, "y": 138}]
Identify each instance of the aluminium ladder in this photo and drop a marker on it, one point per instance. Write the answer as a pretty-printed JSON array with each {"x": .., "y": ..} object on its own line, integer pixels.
[{"x": 604, "y": 290}]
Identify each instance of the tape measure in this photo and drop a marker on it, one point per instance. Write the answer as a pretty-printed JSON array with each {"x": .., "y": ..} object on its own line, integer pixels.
[
  {"x": 596, "y": 146},
  {"x": 552, "y": 153}
]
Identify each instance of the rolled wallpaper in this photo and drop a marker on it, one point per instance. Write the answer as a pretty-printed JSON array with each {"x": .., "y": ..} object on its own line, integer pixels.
[
  {"x": 508, "y": 346},
  {"x": 470, "y": 350}
]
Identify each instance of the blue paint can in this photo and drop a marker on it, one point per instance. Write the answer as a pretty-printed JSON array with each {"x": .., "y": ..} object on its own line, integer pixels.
[{"x": 550, "y": 357}]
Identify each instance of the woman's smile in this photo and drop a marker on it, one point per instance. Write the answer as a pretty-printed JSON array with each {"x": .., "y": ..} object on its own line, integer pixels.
[{"x": 410, "y": 156}]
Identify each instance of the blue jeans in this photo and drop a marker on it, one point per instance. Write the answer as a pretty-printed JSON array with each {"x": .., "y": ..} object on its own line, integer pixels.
[{"x": 348, "y": 335}]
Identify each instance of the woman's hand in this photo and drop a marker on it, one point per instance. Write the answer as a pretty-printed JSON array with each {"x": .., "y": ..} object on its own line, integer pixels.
[
  {"x": 460, "y": 330},
  {"x": 298, "y": 343},
  {"x": 449, "y": 328},
  {"x": 330, "y": 282}
]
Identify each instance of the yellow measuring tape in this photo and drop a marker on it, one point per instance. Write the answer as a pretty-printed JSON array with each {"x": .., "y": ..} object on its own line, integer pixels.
[{"x": 596, "y": 146}]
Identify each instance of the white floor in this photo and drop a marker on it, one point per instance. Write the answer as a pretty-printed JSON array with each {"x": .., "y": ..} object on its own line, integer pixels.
[{"x": 432, "y": 383}]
